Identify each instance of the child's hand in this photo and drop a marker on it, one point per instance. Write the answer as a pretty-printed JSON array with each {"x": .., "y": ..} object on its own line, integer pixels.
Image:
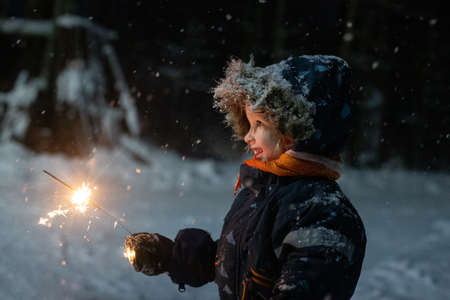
[{"x": 149, "y": 253}]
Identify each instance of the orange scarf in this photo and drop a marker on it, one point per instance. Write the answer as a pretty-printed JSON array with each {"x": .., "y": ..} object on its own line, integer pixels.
[{"x": 287, "y": 165}]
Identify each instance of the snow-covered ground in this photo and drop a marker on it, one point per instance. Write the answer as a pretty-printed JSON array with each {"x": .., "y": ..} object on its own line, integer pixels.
[{"x": 407, "y": 217}]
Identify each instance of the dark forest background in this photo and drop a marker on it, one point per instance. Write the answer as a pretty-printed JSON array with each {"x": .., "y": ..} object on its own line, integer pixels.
[{"x": 173, "y": 53}]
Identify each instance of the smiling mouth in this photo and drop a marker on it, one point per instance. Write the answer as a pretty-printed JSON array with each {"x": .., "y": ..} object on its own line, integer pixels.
[{"x": 257, "y": 152}]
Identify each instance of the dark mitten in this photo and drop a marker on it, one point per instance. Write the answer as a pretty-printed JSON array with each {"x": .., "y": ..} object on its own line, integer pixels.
[
  {"x": 193, "y": 258},
  {"x": 149, "y": 253}
]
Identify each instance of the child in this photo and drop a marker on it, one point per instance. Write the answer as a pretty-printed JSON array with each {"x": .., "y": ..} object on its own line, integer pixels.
[{"x": 291, "y": 233}]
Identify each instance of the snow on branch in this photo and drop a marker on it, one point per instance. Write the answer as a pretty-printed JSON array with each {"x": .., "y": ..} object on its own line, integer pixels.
[
  {"x": 16, "y": 119},
  {"x": 23, "y": 93},
  {"x": 126, "y": 101},
  {"x": 46, "y": 28},
  {"x": 71, "y": 21},
  {"x": 82, "y": 85},
  {"x": 26, "y": 27}
]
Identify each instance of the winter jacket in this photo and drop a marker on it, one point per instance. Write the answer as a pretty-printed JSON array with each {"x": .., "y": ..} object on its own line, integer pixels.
[{"x": 285, "y": 237}]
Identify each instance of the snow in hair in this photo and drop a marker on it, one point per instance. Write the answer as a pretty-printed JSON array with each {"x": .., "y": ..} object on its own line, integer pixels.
[{"x": 263, "y": 89}]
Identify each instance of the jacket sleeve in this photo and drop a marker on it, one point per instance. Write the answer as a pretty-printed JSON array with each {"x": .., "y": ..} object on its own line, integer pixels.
[
  {"x": 310, "y": 273},
  {"x": 193, "y": 257},
  {"x": 317, "y": 251}
]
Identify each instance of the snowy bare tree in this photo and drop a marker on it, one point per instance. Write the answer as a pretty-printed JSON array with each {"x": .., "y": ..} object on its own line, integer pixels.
[{"x": 79, "y": 99}]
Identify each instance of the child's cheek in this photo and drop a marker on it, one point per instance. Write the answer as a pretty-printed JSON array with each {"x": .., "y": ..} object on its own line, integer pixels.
[{"x": 269, "y": 143}]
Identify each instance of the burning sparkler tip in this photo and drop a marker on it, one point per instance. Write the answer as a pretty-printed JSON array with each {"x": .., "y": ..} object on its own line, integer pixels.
[
  {"x": 130, "y": 254},
  {"x": 81, "y": 200}
]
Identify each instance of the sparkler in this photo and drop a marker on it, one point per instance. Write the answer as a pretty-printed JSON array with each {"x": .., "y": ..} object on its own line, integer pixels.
[{"x": 81, "y": 198}]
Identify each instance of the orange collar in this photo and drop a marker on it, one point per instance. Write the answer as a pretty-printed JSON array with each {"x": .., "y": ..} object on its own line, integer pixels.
[{"x": 287, "y": 165}]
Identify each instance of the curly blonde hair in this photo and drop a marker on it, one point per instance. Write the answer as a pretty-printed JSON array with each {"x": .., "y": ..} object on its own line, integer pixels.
[{"x": 264, "y": 90}]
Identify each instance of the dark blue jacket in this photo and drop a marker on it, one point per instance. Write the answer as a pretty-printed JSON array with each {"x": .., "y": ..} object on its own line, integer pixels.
[{"x": 283, "y": 238}]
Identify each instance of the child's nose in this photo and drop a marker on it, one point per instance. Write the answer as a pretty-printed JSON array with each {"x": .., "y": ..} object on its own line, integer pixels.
[{"x": 248, "y": 138}]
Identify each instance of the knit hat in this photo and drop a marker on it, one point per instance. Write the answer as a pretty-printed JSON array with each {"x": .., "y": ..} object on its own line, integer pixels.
[{"x": 306, "y": 97}]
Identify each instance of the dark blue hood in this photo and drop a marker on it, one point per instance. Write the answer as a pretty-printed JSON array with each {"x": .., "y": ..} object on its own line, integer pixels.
[{"x": 325, "y": 81}]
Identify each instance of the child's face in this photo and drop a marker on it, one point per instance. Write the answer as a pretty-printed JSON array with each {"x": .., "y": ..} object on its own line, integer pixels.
[{"x": 263, "y": 138}]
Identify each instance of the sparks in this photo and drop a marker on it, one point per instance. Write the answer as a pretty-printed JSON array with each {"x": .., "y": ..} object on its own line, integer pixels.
[
  {"x": 43, "y": 221},
  {"x": 81, "y": 198},
  {"x": 57, "y": 212}
]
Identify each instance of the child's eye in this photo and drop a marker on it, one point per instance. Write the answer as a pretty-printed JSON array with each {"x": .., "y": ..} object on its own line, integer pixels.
[{"x": 256, "y": 125}]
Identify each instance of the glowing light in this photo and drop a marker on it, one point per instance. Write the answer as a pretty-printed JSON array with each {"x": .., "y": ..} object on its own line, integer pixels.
[
  {"x": 80, "y": 202},
  {"x": 43, "y": 221},
  {"x": 130, "y": 254},
  {"x": 58, "y": 212},
  {"x": 81, "y": 198}
]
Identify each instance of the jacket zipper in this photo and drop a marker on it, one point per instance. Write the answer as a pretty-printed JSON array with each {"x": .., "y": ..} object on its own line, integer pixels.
[
  {"x": 244, "y": 288},
  {"x": 246, "y": 280},
  {"x": 238, "y": 265}
]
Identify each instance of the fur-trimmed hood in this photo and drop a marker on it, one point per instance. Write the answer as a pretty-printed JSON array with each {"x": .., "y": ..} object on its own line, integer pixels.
[{"x": 306, "y": 97}]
